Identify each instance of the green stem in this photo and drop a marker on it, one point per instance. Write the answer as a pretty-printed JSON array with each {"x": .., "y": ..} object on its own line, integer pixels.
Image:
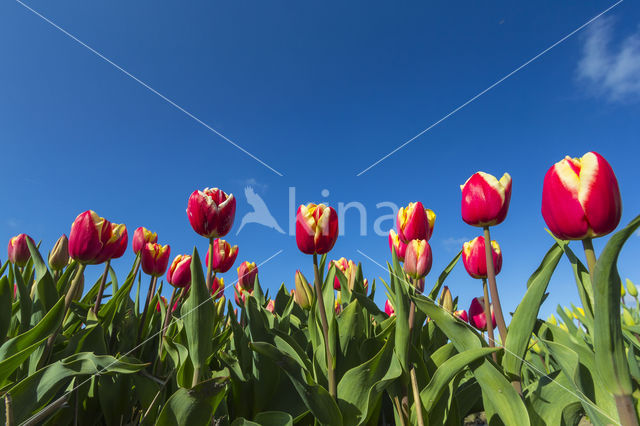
[
  {"x": 590, "y": 254},
  {"x": 152, "y": 285},
  {"x": 626, "y": 410},
  {"x": 196, "y": 376},
  {"x": 493, "y": 287},
  {"x": 325, "y": 329},
  {"x": 487, "y": 315},
  {"x": 416, "y": 396},
  {"x": 103, "y": 282},
  {"x": 210, "y": 264}
]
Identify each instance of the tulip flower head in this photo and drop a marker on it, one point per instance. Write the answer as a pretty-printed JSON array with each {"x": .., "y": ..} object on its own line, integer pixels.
[
  {"x": 18, "y": 250},
  {"x": 142, "y": 236},
  {"x": 115, "y": 245},
  {"x": 485, "y": 199},
  {"x": 155, "y": 258},
  {"x": 414, "y": 222},
  {"x": 388, "y": 308},
  {"x": 316, "y": 228},
  {"x": 247, "y": 273},
  {"x": 418, "y": 259},
  {"x": 303, "y": 294},
  {"x": 475, "y": 258},
  {"x": 211, "y": 212},
  {"x": 271, "y": 306},
  {"x": 395, "y": 243},
  {"x": 581, "y": 198},
  {"x": 446, "y": 300},
  {"x": 217, "y": 288},
  {"x": 179, "y": 273},
  {"x": 477, "y": 318},
  {"x": 59, "y": 256},
  {"x": 88, "y": 234},
  {"x": 241, "y": 294},
  {"x": 223, "y": 255},
  {"x": 462, "y": 315},
  {"x": 347, "y": 267}
]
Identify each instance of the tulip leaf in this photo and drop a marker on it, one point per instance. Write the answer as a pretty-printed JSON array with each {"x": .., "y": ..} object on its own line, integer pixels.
[
  {"x": 608, "y": 340},
  {"x": 25, "y": 299},
  {"x": 266, "y": 418},
  {"x": 6, "y": 295},
  {"x": 401, "y": 305},
  {"x": 550, "y": 402},
  {"x": 194, "y": 406},
  {"x": 314, "y": 396},
  {"x": 45, "y": 287},
  {"x": 524, "y": 319}
]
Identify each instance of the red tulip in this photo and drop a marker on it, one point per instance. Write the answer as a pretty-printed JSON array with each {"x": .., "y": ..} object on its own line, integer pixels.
[
  {"x": 475, "y": 258},
  {"x": 179, "y": 273},
  {"x": 164, "y": 302},
  {"x": 271, "y": 306},
  {"x": 89, "y": 233},
  {"x": 211, "y": 212},
  {"x": 223, "y": 255},
  {"x": 18, "y": 250},
  {"x": 388, "y": 308},
  {"x": 461, "y": 314},
  {"x": 155, "y": 258},
  {"x": 485, "y": 199},
  {"x": 142, "y": 236},
  {"x": 247, "y": 273},
  {"x": 418, "y": 259},
  {"x": 115, "y": 245},
  {"x": 396, "y": 243},
  {"x": 414, "y": 222},
  {"x": 217, "y": 287},
  {"x": 477, "y": 318},
  {"x": 316, "y": 228},
  {"x": 347, "y": 267},
  {"x": 241, "y": 294},
  {"x": 581, "y": 198}
]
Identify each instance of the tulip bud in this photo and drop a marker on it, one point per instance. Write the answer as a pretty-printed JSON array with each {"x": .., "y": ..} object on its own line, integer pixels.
[
  {"x": 477, "y": 317},
  {"x": 142, "y": 236},
  {"x": 220, "y": 305},
  {"x": 552, "y": 320},
  {"x": 462, "y": 315},
  {"x": 338, "y": 303},
  {"x": 485, "y": 199},
  {"x": 395, "y": 243},
  {"x": 581, "y": 198},
  {"x": 18, "y": 250},
  {"x": 418, "y": 259},
  {"x": 474, "y": 257},
  {"x": 303, "y": 295},
  {"x": 347, "y": 267},
  {"x": 627, "y": 317},
  {"x": 316, "y": 228},
  {"x": 59, "y": 256},
  {"x": 631, "y": 288},
  {"x": 388, "y": 308},
  {"x": 247, "y": 273},
  {"x": 179, "y": 273},
  {"x": 241, "y": 294},
  {"x": 217, "y": 287},
  {"x": 446, "y": 301},
  {"x": 211, "y": 212},
  {"x": 154, "y": 258},
  {"x": 223, "y": 255},
  {"x": 271, "y": 306},
  {"x": 414, "y": 222}
]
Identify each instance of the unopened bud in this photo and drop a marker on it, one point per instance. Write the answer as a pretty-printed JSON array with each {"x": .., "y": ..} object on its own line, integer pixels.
[
  {"x": 631, "y": 288},
  {"x": 59, "y": 256},
  {"x": 303, "y": 294}
]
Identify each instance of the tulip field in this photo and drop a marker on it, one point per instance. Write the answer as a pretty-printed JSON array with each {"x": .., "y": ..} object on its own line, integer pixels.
[{"x": 116, "y": 352}]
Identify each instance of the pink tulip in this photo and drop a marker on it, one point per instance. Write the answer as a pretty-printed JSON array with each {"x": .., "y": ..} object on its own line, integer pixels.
[
  {"x": 477, "y": 317},
  {"x": 581, "y": 198},
  {"x": 18, "y": 250},
  {"x": 475, "y": 258},
  {"x": 388, "y": 308},
  {"x": 461, "y": 314},
  {"x": 247, "y": 273},
  {"x": 142, "y": 236},
  {"x": 217, "y": 287},
  {"x": 223, "y": 255},
  {"x": 271, "y": 306},
  {"x": 316, "y": 228},
  {"x": 155, "y": 258},
  {"x": 418, "y": 259},
  {"x": 115, "y": 245},
  {"x": 179, "y": 273},
  {"x": 211, "y": 212},
  {"x": 89, "y": 232},
  {"x": 485, "y": 199},
  {"x": 414, "y": 222},
  {"x": 396, "y": 243}
]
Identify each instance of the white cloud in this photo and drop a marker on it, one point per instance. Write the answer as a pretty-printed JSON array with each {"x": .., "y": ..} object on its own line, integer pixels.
[
  {"x": 611, "y": 69},
  {"x": 452, "y": 243}
]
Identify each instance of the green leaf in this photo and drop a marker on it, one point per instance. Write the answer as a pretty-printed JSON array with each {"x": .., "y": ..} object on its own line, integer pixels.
[
  {"x": 608, "y": 340},
  {"x": 46, "y": 291},
  {"x": 550, "y": 402},
  {"x": 443, "y": 276},
  {"x": 266, "y": 418},
  {"x": 6, "y": 296},
  {"x": 25, "y": 298},
  {"x": 193, "y": 406},
  {"x": 524, "y": 319}
]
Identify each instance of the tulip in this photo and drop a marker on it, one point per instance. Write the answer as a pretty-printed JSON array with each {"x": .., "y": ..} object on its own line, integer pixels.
[
  {"x": 142, "y": 236},
  {"x": 217, "y": 287},
  {"x": 316, "y": 228},
  {"x": 179, "y": 273},
  {"x": 337, "y": 304},
  {"x": 485, "y": 199},
  {"x": 388, "y": 308},
  {"x": 347, "y": 267},
  {"x": 303, "y": 295},
  {"x": 59, "y": 256},
  {"x": 115, "y": 244},
  {"x": 155, "y": 258},
  {"x": 475, "y": 259},
  {"x": 477, "y": 317},
  {"x": 247, "y": 274},
  {"x": 414, "y": 222},
  {"x": 395, "y": 243},
  {"x": 241, "y": 294},
  {"x": 89, "y": 232},
  {"x": 418, "y": 259},
  {"x": 223, "y": 255},
  {"x": 581, "y": 198},
  {"x": 271, "y": 306},
  {"x": 164, "y": 303},
  {"x": 211, "y": 212},
  {"x": 18, "y": 250},
  {"x": 631, "y": 288},
  {"x": 446, "y": 300},
  {"x": 462, "y": 315}
]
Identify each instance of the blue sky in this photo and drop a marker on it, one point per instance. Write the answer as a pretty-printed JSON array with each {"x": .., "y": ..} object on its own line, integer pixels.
[{"x": 318, "y": 92}]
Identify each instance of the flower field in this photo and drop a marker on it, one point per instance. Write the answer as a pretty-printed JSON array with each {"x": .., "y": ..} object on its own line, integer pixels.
[{"x": 116, "y": 352}]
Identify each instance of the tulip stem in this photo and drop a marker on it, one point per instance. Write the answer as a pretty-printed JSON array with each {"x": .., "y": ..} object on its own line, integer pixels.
[
  {"x": 152, "y": 285},
  {"x": 590, "y": 254},
  {"x": 626, "y": 412},
  {"x": 210, "y": 264},
  {"x": 167, "y": 317},
  {"x": 325, "y": 330},
  {"x": 493, "y": 287},
  {"x": 103, "y": 282},
  {"x": 487, "y": 315},
  {"x": 416, "y": 396}
]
